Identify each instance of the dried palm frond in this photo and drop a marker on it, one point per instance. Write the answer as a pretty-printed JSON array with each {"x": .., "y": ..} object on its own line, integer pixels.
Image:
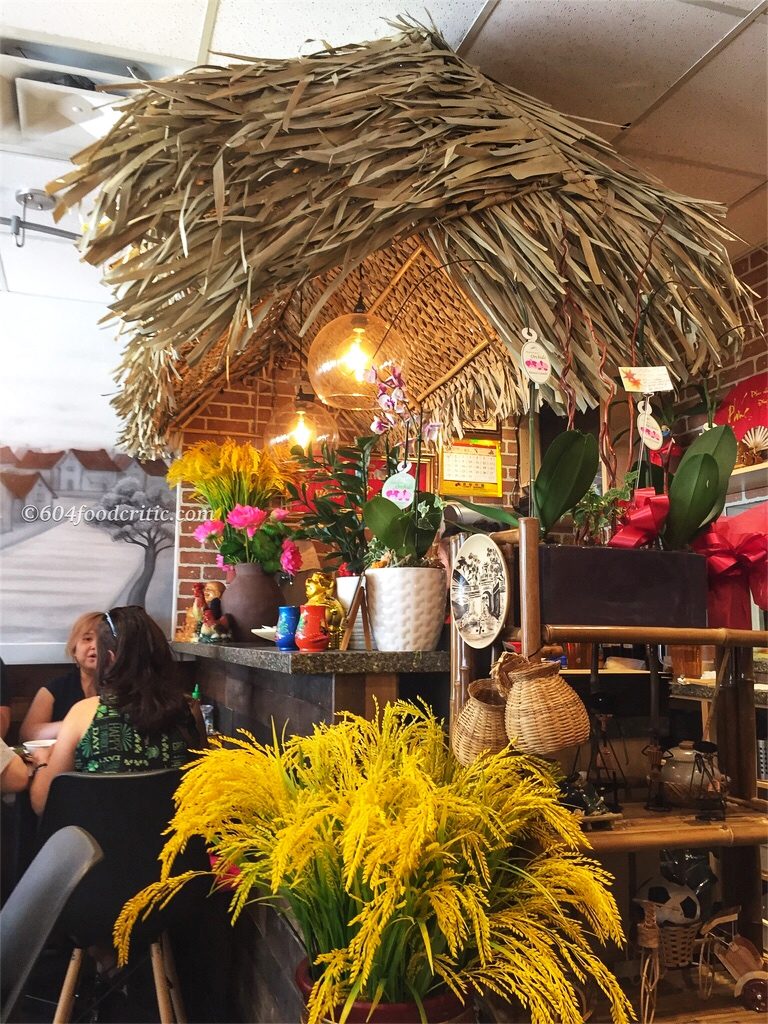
[{"x": 225, "y": 190}]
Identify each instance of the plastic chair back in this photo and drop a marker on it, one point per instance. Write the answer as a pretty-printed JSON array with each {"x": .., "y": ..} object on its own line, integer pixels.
[{"x": 33, "y": 908}]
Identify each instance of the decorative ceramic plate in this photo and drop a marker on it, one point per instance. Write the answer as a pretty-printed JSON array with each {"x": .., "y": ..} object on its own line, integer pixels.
[
  {"x": 479, "y": 591},
  {"x": 266, "y": 633}
]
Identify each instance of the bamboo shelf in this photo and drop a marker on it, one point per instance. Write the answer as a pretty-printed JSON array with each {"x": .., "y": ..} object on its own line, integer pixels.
[{"x": 640, "y": 829}]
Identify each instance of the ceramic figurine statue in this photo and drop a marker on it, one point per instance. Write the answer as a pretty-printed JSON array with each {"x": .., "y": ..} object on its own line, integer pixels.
[
  {"x": 320, "y": 591},
  {"x": 213, "y": 630},
  {"x": 193, "y": 619}
]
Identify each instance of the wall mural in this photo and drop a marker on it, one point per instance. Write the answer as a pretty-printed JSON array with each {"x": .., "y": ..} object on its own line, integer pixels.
[{"x": 81, "y": 530}]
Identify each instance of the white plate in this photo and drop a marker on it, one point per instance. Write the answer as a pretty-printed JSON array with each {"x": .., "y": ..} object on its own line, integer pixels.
[
  {"x": 479, "y": 591},
  {"x": 266, "y": 633},
  {"x": 31, "y": 745}
]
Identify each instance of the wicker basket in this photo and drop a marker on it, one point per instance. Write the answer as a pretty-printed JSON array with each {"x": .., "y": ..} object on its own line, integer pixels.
[
  {"x": 479, "y": 725},
  {"x": 543, "y": 714},
  {"x": 677, "y": 942}
]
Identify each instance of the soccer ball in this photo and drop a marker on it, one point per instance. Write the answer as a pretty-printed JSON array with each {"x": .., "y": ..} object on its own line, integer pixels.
[{"x": 675, "y": 904}]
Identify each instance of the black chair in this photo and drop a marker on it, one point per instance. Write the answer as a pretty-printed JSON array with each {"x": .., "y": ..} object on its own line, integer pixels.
[
  {"x": 127, "y": 814},
  {"x": 33, "y": 908}
]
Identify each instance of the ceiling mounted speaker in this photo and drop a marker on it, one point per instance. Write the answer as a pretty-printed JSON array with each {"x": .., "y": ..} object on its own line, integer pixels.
[{"x": 45, "y": 108}]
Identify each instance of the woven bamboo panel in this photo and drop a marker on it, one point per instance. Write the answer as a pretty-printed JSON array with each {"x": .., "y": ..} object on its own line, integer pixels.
[{"x": 224, "y": 191}]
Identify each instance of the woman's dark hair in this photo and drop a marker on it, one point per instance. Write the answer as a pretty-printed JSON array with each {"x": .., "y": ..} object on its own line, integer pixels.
[{"x": 141, "y": 679}]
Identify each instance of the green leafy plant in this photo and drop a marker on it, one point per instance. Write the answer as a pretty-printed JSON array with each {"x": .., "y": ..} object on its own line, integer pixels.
[
  {"x": 408, "y": 533},
  {"x": 596, "y": 513},
  {"x": 407, "y": 873},
  {"x": 566, "y": 473},
  {"x": 333, "y": 492},
  {"x": 698, "y": 489}
]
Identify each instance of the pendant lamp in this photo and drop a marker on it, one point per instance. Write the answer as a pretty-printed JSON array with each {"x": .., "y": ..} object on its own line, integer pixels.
[
  {"x": 344, "y": 351},
  {"x": 305, "y": 423}
]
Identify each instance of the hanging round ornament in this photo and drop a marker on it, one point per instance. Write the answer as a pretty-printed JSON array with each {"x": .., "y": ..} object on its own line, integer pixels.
[
  {"x": 649, "y": 430},
  {"x": 401, "y": 486},
  {"x": 535, "y": 361}
]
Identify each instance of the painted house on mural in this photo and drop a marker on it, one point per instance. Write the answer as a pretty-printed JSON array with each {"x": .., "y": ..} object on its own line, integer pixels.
[
  {"x": 87, "y": 472},
  {"x": 8, "y": 459},
  {"x": 44, "y": 463},
  {"x": 18, "y": 490},
  {"x": 148, "y": 474}
]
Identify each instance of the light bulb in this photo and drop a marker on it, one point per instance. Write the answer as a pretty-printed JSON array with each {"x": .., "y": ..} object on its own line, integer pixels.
[
  {"x": 301, "y": 433},
  {"x": 357, "y": 359}
]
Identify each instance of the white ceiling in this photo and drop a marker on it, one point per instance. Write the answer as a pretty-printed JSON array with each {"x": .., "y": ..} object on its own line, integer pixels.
[{"x": 687, "y": 76}]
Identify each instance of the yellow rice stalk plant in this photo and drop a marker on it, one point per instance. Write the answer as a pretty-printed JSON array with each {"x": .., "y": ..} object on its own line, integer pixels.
[
  {"x": 405, "y": 871},
  {"x": 229, "y": 474}
]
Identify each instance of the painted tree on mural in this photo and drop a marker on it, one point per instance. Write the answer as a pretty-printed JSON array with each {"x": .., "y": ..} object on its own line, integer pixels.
[{"x": 132, "y": 515}]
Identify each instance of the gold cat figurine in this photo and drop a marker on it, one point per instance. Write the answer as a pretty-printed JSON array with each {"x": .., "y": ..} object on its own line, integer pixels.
[{"x": 320, "y": 590}]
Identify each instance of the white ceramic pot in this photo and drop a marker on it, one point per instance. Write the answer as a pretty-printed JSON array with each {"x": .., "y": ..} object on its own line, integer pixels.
[
  {"x": 345, "y": 591},
  {"x": 407, "y": 607}
]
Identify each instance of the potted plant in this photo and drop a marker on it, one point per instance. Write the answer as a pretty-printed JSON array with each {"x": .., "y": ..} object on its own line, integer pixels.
[
  {"x": 406, "y": 588},
  {"x": 595, "y": 515},
  {"x": 412, "y": 879},
  {"x": 238, "y": 483},
  {"x": 332, "y": 489}
]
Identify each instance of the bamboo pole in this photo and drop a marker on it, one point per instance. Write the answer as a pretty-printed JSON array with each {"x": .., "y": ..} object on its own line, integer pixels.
[
  {"x": 721, "y": 637},
  {"x": 530, "y": 601}
]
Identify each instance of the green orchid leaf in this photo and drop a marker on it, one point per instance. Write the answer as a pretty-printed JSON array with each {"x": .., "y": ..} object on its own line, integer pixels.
[
  {"x": 380, "y": 515},
  {"x": 720, "y": 443},
  {"x": 692, "y": 495},
  {"x": 566, "y": 474},
  {"x": 498, "y": 515}
]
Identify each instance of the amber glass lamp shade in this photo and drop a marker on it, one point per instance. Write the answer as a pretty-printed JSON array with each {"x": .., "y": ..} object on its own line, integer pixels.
[
  {"x": 305, "y": 425},
  {"x": 343, "y": 352}
]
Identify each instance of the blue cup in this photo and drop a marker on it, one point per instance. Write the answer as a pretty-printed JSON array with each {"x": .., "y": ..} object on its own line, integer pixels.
[{"x": 287, "y": 621}]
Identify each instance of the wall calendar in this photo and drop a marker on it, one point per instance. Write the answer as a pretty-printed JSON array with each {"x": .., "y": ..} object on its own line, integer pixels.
[{"x": 471, "y": 468}]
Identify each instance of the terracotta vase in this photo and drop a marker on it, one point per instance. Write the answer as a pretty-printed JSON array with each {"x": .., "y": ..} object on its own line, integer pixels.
[
  {"x": 312, "y": 632},
  {"x": 251, "y": 600},
  {"x": 444, "y": 1008}
]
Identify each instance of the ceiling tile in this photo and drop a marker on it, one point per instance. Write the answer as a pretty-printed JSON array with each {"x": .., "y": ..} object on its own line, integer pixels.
[
  {"x": 749, "y": 220},
  {"x": 718, "y": 116},
  {"x": 275, "y": 28},
  {"x": 694, "y": 177},
  {"x": 592, "y": 58},
  {"x": 171, "y": 28}
]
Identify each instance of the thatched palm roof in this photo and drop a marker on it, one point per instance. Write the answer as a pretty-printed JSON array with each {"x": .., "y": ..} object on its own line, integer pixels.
[{"x": 230, "y": 190}]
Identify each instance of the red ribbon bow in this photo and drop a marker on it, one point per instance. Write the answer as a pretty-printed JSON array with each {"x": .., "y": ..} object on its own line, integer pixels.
[
  {"x": 736, "y": 549},
  {"x": 643, "y": 519}
]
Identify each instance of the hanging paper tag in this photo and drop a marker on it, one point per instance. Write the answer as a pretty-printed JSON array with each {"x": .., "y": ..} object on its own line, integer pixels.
[
  {"x": 400, "y": 487},
  {"x": 646, "y": 379},
  {"x": 648, "y": 429},
  {"x": 535, "y": 362}
]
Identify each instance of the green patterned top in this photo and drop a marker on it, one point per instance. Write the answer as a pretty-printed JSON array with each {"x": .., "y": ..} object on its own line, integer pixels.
[{"x": 111, "y": 744}]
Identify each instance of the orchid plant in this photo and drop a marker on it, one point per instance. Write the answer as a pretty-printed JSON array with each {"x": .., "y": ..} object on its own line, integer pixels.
[{"x": 401, "y": 535}]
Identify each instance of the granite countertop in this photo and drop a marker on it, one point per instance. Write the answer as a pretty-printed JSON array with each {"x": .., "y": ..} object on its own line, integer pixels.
[
  {"x": 702, "y": 689},
  {"x": 267, "y": 656}
]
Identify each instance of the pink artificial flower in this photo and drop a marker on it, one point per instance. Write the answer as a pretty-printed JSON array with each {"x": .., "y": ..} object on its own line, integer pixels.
[
  {"x": 210, "y": 528},
  {"x": 221, "y": 563},
  {"x": 386, "y": 403},
  {"x": 379, "y": 426},
  {"x": 247, "y": 517},
  {"x": 290, "y": 559},
  {"x": 279, "y": 514}
]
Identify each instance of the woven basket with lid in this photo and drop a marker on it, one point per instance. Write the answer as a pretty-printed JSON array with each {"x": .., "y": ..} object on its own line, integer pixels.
[{"x": 543, "y": 714}]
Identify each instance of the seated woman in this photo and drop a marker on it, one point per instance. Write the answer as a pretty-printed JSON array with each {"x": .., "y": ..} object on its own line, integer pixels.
[
  {"x": 141, "y": 719},
  {"x": 52, "y": 702}
]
